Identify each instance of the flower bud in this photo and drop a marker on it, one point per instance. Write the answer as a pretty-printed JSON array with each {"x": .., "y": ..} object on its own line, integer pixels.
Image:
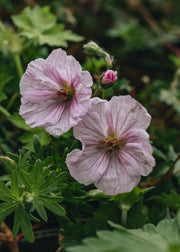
[
  {"x": 92, "y": 48},
  {"x": 108, "y": 78}
]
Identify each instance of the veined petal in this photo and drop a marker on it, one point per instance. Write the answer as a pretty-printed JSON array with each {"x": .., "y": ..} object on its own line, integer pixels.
[
  {"x": 37, "y": 95},
  {"x": 79, "y": 108},
  {"x": 64, "y": 121},
  {"x": 116, "y": 179},
  {"x": 136, "y": 136},
  {"x": 93, "y": 125},
  {"x": 86, "y": 79},
  {"x": 126, "y": 113},
  {"x": 52, "y": 93},
  {"x": 57, "y": 58},
  {"x": 135, "y": 152},
  {"x": 87, "y": 166},
  {"x": 35, "y": 77},
  {"x": 48, "y": 113}
]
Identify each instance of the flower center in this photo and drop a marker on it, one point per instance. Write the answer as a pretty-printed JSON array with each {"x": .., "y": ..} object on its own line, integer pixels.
[
  {"x": 65, "y": 94},
  {"x": 112, "y": 143}
]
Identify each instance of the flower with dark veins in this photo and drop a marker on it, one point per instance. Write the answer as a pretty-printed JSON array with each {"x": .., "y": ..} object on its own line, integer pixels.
[
  {"x": 115, "y": 145},
  {"x": 55, "y": 92}
]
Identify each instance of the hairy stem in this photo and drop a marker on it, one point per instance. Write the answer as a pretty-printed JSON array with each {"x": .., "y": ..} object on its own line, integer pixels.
[
  {"x": 10, "y": 160},
  {"x": 4, "y": 111},
  {"x": 96, "y": 92},
  {"x": 166, "y": 176},
  {"x": 18, "y": 64},
  {"x": 11, "y": 101}
]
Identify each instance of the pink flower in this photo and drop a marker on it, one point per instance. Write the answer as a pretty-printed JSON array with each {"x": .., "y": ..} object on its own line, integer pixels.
[
  {"x": 109, "y": 76},
  {"x": 55, "y": 92},
  {"x": 115, "y": 146}
]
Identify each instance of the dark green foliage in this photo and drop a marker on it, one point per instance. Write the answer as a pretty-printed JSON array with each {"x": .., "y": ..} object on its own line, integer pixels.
[
  {"x": 40, "y": 24},
  {"x": 164, "y": 237},
  {"x": 34, "y": 187}
]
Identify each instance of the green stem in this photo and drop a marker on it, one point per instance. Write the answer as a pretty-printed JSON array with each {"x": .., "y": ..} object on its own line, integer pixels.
[
  {"x": 96, "y": 92},
  {"x": 4, "y": 111},
  {"x": 10, "y": 160},
  {"x": 103, "y": 94},
  {"x": 123, "y": 217},
  {"x": 2, "y": 26},
  {"x": 11, "y": 101},
  {"x": 170, "y": 170},
  {"x": 18, "y": 64}
]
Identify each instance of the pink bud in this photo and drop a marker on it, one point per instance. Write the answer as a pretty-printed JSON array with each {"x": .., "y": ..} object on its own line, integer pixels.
[{"x": 109, "y": 76}]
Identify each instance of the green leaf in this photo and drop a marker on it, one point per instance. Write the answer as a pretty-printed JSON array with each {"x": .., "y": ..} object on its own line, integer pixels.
[
  {"x": 36, "y": 143},
  {"x": 32, "y": 22},
  {"x": 39, "y": 23},
  {"x": 169, "y": 230},
  {"x": 161, "y": 238},
  {"x": 6, "y": 209},
  {"x": 51, "y": 198},
  {"x": 127, "y": 200},
  {"x": 10, "y": 41},
  {"x": 27, "y": 180},
  {"x": 18, "y": 121},
  {"x": 24, "y": 157},
  {"x": 37, "y": 172},
  {"x": 26, "y": 226},
  {"x": 55, "y": 155},
  {"x": 27, "y": 137},
  {"x": 170, "y": 98},
  {"x": 13, "y": 156},
  {"x": 15, "y": 184},
  {"x": 55, "y": 208},
  {"x": 17, "y": 223},
  {"x": 56, "y": 36},
  {"x": 2, "y": 96},
  {"x": 39, "y": 206},
  {"x": 5, "y": 193},
  {"x": 171, "y": 200},
  {"x": 137, "y": 215},
  {"x": 4, "y": 78}
]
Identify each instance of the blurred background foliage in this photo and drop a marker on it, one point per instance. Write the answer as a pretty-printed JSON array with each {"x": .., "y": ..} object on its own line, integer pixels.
[{"x": 144, "y": 38}]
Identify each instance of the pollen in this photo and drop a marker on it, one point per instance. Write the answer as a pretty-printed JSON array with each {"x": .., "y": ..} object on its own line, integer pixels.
[
  {"x": 65, "y": 94},
  {"x": 114, "y": 143}
]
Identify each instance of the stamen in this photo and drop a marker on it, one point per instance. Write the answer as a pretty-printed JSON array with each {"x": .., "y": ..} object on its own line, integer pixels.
[
  {"x": 114, "y": 143},
  {"x": 65, "y": 94}
]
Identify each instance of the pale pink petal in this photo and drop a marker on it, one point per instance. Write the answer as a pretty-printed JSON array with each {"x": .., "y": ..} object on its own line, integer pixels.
[
  {"x": 86, "y": 79},
  {"x": 72, "y": 69},
  {"x": 138, "y": 148},
  {"x": 35, "y": 77},
  {"x": 135, "y": 136},
  {"x": 93, "y": 125},
  {"x": 63, "y": 124},
  {"x": 116, "y": 179},
  {"x": 79, "y": 108},
  {"x": 57, "y": 59},
  {"x": 48, "y": 113},
  {"x": 126, "y": 113},
  {"x": 87, "y": 166},
  {"x": 69, "y": 118},
  {"x": 144, "y": 159}
]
